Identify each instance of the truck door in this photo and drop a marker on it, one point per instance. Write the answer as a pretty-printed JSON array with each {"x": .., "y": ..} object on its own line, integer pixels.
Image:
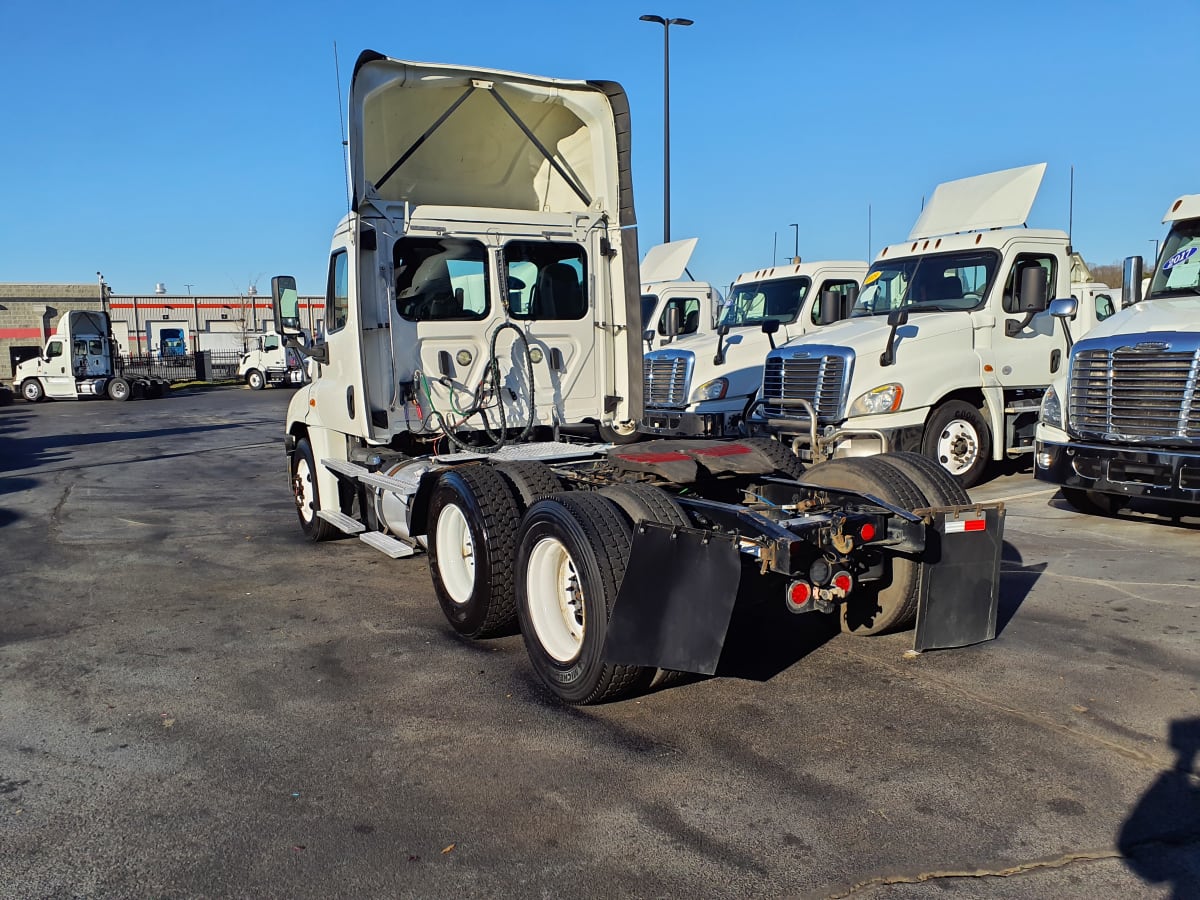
[
  {"x": 1038, "y": 352},
  {"x": 339, "y": 396},
  {"x": 59, "y": 378}
]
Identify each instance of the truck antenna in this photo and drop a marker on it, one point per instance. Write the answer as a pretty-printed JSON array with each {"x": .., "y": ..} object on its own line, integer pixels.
[
  {"x": 1071, "y": 213},
  {"x": 868, "y": 232},
  {"x": 337, "y": 74}
]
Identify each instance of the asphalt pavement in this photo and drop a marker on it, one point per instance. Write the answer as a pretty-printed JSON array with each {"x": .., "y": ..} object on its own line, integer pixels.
[{"x": 196, "y": 702}]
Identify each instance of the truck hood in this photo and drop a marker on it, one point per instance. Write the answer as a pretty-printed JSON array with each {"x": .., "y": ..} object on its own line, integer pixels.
[
  {"x": 869, "y": 334},
  {"x": 425, "y": 133},
  {"x": 745, "y": 351},
  {"x": 667, "y": 262},
  {"x": 1175, "y": 314}
]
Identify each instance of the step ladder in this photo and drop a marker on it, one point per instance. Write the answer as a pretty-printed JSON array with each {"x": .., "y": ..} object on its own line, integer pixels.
[{"x": 404, "y": 487}]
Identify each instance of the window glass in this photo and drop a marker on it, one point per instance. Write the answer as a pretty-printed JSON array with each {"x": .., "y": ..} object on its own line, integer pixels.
[
  {"x": 96, "y": 347},
  {"x": 1012, "y": 300},
  {"x": 441, "y": 279},
  {"x": 79, "y": 347},
  {"x": 1179, "y": 269},
  {"x": 337, "y": 291},
  {"x": 270, "y": 342},
  {"x": 53, "y": 349},
  {"x": 753, "y": 302},
  {"x": 689, "y": 315},
  {"x": 649, "y": 304},
  {"x": 947, "y": 281},
  {"x": 1104, "y": 307},
  {"x": 841, "y": 288},
  {"x": 546, "y": 280}
]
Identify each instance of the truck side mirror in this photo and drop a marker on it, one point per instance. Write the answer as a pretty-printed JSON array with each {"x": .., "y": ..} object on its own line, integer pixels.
[
  {"x": 1064, "y": 308},
  {"x": 722, "y": 333},
  {"x": 673, "y": 323},
  {"x": 648, "y": 337},
  {"x": 1034, "y": 296},
  {"x": 1131, "y": 282},
  {"x": 285, "y": 302},
  {"x": 830, "y": 309},
  {"x": 769, "y": 328},
  {"x": 897, "y": 317},
  {"x": 723, "y": 329}
]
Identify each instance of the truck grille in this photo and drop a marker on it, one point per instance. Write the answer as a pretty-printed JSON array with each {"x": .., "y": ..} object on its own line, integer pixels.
[
  {"x": 1143, "y": 392},
  {"x": 821, "y": 379},
  {"x": 666, "y": 379}
]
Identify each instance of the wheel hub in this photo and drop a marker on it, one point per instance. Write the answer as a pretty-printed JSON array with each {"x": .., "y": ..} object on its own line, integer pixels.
[{"x": 958, "y": 447}]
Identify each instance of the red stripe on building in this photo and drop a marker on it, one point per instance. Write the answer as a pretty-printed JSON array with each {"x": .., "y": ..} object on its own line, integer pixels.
[
  {"x": 20, "y": 333},
  {"x": 184, "y": 307}
]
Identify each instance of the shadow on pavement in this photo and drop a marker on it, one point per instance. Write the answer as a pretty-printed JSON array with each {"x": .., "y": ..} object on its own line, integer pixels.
[
  {"x": 1016, "y": 582},
  {"x": 31, "y": 452},
  {"x": 1160, "y": 840}
]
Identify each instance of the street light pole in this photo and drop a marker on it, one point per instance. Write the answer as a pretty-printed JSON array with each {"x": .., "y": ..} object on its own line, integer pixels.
[
  {"x": 796, "y": 252},
  {"x": 666, "y": 24}
]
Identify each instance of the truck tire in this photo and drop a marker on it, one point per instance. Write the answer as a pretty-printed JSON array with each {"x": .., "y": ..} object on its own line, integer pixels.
[
  {"x": 256, "y": 380},
  {"x": 939, "y": 486},
  {"x": 958, "y": 439},
  {"x": 472, "y": 535},
  {"x": 874, "y": 608},
  {"x": 620, "y": 434},
  {"x": 1094, "y": 503},
  {"x": 645, "y": 502},
  {"x": 32, "y": 390},
  {"x": 571, "y": 555},
  {"x": 785, "y": 461},
  {"x": 118, "y": 389},
  {"x": 306, "y": 495},
  {"x": 530, "y": 481}
]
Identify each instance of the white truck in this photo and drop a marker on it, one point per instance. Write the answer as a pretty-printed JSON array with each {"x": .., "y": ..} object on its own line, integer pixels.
[
  {"x": 80, "y": 360},
  {"x": 697, "y": 303},
  {"x": 270, "y": 362},
  {"x": 949, "y": 347},
  {"x": 1122, "y": 420},
  {"x": 703, "y": 383},
  {"x": 483, "y": 290}
]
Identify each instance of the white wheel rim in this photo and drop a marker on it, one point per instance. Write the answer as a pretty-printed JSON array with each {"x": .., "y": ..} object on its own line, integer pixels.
[
  {"x": 302, "y": 489},
  {"x": 455, "y": 553},
  {"x": 958, "y": 446},
  {"x": 624, "y": 429},
  {"x": 32, "y": 390},
  {"x": 255, "y": 379},
  {"x": 556, "y": 607}
]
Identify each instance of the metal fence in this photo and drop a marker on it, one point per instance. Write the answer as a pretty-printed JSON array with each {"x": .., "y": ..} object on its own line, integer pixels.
[{"x": 223, "y": 366}]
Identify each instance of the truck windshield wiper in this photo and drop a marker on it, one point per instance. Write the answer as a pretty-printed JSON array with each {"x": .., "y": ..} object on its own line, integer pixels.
[{"x": 1189, "y": 291}]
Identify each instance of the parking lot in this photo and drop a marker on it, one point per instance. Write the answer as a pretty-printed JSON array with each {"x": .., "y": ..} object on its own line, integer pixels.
[{"x": 194, "y": 701}]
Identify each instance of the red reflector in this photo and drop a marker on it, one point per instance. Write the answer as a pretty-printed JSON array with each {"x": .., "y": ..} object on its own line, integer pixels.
[
  {"x": 976, "y": 524},
  {"x": 955, "y": 526},
  {"x": 842, "y": 581},
  {"x": 799, "y": 593},
  {"x": 867, "y": 532}
]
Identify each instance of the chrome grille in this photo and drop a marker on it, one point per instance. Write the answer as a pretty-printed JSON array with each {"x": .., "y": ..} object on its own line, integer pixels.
[
  {"x": 666, "y": 381},
  {"x": 1144, "y": 392},
  {"x": 819, "y": 379}
]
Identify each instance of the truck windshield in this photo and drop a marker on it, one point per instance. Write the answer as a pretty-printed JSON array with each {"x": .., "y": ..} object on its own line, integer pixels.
[
  {"x": 754, "y": 302},
  {"x": 946, "y": 282},
  {"x": 1179, "y": 271}
]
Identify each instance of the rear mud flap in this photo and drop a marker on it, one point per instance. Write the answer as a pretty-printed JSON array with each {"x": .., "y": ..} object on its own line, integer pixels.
[
  {"x": 960, "y": 581},
  {"x": 675, "y": 601}
]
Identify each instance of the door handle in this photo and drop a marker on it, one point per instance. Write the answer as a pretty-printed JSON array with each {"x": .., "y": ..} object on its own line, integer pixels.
[
  {"x": 556, "y": 360},
  {"x": 444, "y": 365}
]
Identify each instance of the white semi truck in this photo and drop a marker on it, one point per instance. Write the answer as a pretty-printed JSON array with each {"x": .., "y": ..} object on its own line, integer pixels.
[
  {"x": 80, "y": 360},
  {"x": 483, "y": 291},
  {"x": 1122, "y": 420},
  {"x": 270, "y": 362},
  {"x": 949, "y": 347},
  {"x": 703, "y": 383},
  {"x": 697, "y": 304}
]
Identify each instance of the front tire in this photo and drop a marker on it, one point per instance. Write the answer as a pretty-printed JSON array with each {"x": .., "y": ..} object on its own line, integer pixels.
[
  {"x": 256, "y": 380},
  {"x": 619, "y": 433},
  {"x": 472, "y": 535},
  {"x": 958, "y": 439},
  {"x": 32, "y": 390},
  {"x": 876, "y": 607},
  {"x": 306, "y": 495},
  {"x": 571, "y": 556},
  {"x": 119, "y": 389}
]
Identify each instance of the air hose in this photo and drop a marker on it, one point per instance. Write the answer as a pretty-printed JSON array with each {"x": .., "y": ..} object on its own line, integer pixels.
[{"x": 490, "y": 383}]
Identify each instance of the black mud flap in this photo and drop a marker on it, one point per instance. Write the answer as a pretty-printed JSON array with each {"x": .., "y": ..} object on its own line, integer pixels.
[
  {"x": 960, "y": 581},
  {"x": 673, "y": 608}
]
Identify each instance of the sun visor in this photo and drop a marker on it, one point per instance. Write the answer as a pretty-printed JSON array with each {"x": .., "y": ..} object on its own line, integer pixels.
[
  {"x": 442, "y": 135},
  {"x": 995, "y": 200},
  {"x": 667, "y": 262}
]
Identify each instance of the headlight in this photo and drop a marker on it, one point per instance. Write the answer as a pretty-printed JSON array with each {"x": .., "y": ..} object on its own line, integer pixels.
[
  {"x": 883, "y": 399},
  {"x": 1051, "y": 412},
  {"x": 711, "y": 390}
]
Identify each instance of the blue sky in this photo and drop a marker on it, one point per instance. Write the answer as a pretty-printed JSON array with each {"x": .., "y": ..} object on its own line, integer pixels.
[{"x": 199, "y": 144}]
